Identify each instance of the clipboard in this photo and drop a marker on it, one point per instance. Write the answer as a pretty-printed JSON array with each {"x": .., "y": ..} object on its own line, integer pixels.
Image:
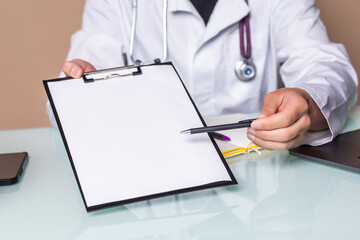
[{"x": 121, "y": 130}]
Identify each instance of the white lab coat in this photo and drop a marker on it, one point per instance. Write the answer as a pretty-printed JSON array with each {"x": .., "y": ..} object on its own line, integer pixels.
[{"x": 290, "y": 48}]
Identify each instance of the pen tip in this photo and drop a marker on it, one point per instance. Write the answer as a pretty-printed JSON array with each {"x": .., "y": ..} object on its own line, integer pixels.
[{"x": 186, "y": 131}]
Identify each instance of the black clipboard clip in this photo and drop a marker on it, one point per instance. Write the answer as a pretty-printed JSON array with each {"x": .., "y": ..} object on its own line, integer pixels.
[{"x": 106, "y": 74}]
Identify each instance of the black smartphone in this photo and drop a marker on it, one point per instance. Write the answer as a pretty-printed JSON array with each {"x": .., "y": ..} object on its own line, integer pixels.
[{"x": 12, "y": 166}]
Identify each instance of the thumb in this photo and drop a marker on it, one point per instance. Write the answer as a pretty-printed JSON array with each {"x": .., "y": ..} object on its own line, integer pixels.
[
  {"x": 84, "y": 65},
  {"x": 271, "y": 105},
  {"x": 76, "y": 68}
]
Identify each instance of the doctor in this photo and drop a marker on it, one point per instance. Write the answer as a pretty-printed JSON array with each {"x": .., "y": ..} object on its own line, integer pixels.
[{"x": 304, "y": 84}]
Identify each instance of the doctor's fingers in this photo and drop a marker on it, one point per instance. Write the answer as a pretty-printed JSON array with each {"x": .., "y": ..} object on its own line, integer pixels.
[
  {"x": 290, "y": 108},
  {"x": 282, "y": 138},
  {"x": 76, "y": 68},
  {"x": 273, "y": 145},
  {"x": 271, "y": 105}
]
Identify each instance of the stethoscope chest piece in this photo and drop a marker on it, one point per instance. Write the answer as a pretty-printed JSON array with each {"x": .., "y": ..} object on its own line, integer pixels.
[{"x": 245, "y": 70}]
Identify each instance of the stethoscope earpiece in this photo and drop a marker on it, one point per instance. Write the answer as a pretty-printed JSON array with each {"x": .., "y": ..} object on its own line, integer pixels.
[{"x": 245, "y": 70}]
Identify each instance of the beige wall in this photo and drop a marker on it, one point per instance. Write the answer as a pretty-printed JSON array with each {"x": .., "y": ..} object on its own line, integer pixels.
[
  {"x": 342, "y": 20},
  {"x": 35, "y": 39}
]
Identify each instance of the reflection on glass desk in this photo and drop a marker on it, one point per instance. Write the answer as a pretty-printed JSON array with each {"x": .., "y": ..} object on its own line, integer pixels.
[{"x": 278, "y": 197}]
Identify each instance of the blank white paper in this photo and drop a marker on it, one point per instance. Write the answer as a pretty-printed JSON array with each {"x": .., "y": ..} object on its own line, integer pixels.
[{"x": 123, "y": 136}]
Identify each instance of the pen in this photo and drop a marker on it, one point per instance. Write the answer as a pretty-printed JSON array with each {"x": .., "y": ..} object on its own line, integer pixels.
[
  {"x": 220, "y": 136},
  {"x": 240, "y": 124}
]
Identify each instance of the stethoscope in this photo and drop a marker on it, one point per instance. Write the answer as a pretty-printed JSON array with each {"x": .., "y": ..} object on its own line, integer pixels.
[
  {"x": 132, "y": 36},
  {"x": 245, "y": 69}
]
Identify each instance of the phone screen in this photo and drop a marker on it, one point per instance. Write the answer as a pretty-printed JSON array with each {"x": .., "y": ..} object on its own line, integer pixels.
[{"x": 11, "y": 167}]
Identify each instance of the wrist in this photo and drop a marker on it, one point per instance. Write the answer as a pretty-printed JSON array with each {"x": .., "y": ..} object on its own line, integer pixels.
[{"x": 318, "y": 120}]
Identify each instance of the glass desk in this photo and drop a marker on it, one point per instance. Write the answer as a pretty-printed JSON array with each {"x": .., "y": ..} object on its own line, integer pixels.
[{"x": 278, "y": 196}]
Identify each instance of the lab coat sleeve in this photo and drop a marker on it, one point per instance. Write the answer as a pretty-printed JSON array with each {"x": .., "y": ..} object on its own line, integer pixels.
[
  {"x": 308, "y": 60},
  {"x": 99, "y": 41}
]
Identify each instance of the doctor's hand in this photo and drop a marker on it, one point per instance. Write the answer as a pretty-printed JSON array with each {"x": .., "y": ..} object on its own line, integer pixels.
[
  {"x": 76, "y": 68},
  {"x": 287, "y": 115}
]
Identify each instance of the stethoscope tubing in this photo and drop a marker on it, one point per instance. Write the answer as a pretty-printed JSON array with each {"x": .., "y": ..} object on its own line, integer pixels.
[
  {"x": 133, "y": 30},
  {"x": 240, "y": 66},
  {"x": 245, "y": 22}
]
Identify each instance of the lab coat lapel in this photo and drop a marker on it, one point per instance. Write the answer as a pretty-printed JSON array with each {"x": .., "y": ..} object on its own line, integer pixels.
[
  {"x": 225, "y": 14},
  {"x": 180, "y": 5}
]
